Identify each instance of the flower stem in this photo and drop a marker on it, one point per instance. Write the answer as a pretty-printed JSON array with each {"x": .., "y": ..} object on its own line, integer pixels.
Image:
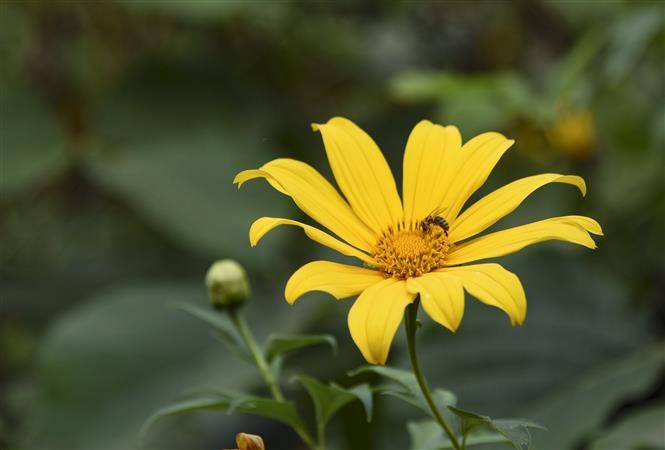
[
  {"x": 411, "y": 326},
  {"x": 238, "y": 320}
]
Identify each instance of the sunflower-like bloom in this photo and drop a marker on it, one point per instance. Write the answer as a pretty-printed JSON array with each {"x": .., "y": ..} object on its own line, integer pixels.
[{"x": 419, "y": 245}]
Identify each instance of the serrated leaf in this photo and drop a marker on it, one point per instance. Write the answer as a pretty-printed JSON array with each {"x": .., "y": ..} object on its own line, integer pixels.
[
  {"x": 515, "y": 430},
  {"x": 225, "y": 331},
  {"x": 277, "y": 345},
  {"x": 428, "y": 435},
  {"x": 327, "y": 399}
]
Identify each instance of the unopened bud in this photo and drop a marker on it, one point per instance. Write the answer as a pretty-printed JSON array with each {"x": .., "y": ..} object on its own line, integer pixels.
[
  {"x": 574, "y": 133},
  {"x": 227, "y": 284},
  {"x": 246, "y": 441}
]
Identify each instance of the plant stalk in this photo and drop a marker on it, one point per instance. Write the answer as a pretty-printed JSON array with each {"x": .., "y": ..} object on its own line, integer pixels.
[
  {"x": 238, "y": 320},
  {"x": 410, "y": 323}
]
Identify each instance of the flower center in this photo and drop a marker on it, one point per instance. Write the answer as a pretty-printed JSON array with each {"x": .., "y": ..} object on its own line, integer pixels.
[{"x": 411, "y": 253}]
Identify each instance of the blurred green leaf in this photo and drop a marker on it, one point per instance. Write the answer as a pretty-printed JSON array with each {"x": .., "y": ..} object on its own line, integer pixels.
[
  {"x": 172, "y": 152},
  {"x": 515, "y": 430},
  {"x": 572, "y": 69},
  {"x": 278, "y": 345},
  {"x": 120, "y": 350},
  {"x": 640, "y": 430},
  {"x": 225, "y": 329},
  {"x": 630, "y": 36},
  {"x": 281, "y": 411},
  {"x": 577, "y": 410},
  {"x": 33, "y": 143},
  {"x": 474, "y": 103}
]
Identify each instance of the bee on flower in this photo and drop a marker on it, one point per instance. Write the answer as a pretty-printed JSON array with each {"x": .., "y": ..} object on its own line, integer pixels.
[{"x": 422, "y": 245}]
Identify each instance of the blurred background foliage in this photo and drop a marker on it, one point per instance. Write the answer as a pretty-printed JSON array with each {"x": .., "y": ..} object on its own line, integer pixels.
[{"x": 124, "y": 122}]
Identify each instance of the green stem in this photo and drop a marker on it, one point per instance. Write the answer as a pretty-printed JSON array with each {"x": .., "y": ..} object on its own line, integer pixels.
[
  {"x": 411, "y": 325},
  {"x": 238, "y": 320},
  {"x": 321, "y": 434}
]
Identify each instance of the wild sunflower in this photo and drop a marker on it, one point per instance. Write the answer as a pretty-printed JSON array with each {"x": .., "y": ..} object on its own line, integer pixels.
[{"x": 415, "y": 246}]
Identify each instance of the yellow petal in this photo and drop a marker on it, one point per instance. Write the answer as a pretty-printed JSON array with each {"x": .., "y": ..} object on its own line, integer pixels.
[
  {"x": 573, "y": 229},
  {"x": 375, "y": 316},
  {"x": 338, "y": 280},
  {"x": 261, "y": 226},
  {"x": 478, "y": 158},
  {"x": 495, "y": 286},
  {"x": 430, "y": 157},
  {"x": 362, "y": 173},
  {"x": 251, "y": 174},
  {"x": 315, "y": 197},
  {"x": 442, "y": 297},
  {"x": 491, "y": 208}
]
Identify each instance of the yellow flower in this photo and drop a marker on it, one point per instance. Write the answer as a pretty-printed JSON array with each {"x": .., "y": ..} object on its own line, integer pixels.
[{"x": 406, "y": 251}]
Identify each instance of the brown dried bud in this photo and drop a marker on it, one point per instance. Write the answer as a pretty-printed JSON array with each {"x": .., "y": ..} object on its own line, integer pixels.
[{"x": 246, "y": 441}]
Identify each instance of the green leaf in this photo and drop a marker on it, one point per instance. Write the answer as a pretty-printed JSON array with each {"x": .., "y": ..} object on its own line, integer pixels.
[
  {"x": 327, "y": 399},
  {"x": 404, "y": 378},
  {"x": 364, "y": 394},
  {"x": 409, "y": 390},
  {"x": 226, "y": 332},
  {"x": 189, "y": 405},
  {"x": 277, "y": 345},
  {"x": 428, "y": 435},
  {"x": 515, "y": 430},
  {"x": 641, "y": 430},
  {"x": 281, "y": 411},
  {"x": 579, "y": 409}
]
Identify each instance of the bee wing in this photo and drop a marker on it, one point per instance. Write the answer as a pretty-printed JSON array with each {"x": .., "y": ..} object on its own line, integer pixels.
[{"x": 437, "y": 211}]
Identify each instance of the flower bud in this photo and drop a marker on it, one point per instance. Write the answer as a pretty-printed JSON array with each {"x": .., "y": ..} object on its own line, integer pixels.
[
  {"x": 246, "y": 441},
  {"x": 573, "y": 133},
  {"x": 227, "y": 284}
]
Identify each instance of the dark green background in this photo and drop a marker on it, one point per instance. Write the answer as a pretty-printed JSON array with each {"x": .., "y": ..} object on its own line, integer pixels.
[{"x": 124, "y": 122}]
